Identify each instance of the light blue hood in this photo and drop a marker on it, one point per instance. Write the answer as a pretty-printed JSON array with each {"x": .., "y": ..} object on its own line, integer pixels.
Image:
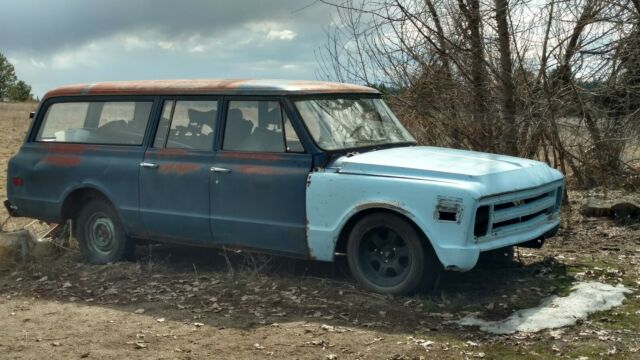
[{"x": 486, "y": 174}]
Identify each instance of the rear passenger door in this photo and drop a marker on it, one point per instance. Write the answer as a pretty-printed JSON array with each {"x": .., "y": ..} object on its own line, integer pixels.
[
  {"x": 174, "y": 176},
  {"x": 258, "y": 180}
]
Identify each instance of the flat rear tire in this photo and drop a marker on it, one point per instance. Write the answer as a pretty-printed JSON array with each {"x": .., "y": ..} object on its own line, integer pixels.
[{"x": 100, "y": 234}]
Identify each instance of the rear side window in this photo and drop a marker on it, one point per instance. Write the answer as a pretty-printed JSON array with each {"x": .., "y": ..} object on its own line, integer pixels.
[{"x": 96, "y": 122}]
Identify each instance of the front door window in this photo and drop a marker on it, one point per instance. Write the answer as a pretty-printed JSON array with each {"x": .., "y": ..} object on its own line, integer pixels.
[{"x": 259, "y": 126}]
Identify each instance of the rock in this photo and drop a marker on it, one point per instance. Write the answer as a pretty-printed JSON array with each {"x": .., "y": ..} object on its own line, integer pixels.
[
  {"x": 596, "y": 208},
  {"x": 617, "y": 209},
  {"x": 625, "y": 212},
  {"x": 15, "y": 246},
  {"x": 44, "y": 249}
]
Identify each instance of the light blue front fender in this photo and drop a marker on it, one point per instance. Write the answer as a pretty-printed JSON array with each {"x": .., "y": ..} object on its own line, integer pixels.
[{"x": 334, "y": 198}]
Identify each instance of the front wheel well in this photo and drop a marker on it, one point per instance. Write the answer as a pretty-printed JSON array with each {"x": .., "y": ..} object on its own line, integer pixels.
[
  {"x": 343, "y": 238},
  {"x": 74, "y": 202}
]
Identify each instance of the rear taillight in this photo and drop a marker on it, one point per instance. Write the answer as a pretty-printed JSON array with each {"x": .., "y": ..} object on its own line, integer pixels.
[{"x": 17, "y": 181}]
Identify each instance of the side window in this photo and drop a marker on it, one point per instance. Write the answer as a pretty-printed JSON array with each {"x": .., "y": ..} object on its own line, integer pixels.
[
  {"x": 60, "y": 119},
  {"x": 96, "y": 122},
  {"x": 187, "y": 125},
  {"x": 258, "y": 126}
]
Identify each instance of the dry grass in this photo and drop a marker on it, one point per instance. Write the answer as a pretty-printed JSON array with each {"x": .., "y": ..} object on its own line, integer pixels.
[
  {"x": 281, "y": 308},
  {"x": 14, "y": 123}
]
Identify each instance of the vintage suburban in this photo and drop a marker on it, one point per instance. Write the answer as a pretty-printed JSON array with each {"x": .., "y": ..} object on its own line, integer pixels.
[{"x": 305, "y": 169}]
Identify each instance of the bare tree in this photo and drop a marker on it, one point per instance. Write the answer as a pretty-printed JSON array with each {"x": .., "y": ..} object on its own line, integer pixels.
[{"x": 557, "y": 81}]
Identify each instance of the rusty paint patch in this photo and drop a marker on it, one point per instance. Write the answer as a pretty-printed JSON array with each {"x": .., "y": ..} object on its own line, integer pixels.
[
  {"x": 68, "y": 90},
  {"x": 66, "y": 161},
  {"x": 251, "y": 156},
  {"x": 171, "y": 152},
  {"x": 255, "y": 170},
  {"x": 227, "y": 86},
  {"x": 178, "y": 168},
  {"x": 68, "y": 148}
]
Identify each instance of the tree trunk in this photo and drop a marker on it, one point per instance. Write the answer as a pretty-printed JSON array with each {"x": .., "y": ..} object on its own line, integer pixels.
[
  {"x": 478, "y": 73},
  {"x": 510, "y": 133}
]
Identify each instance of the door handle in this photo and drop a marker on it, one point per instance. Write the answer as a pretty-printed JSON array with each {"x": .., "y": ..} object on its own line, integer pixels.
[
  {"x": 148, "y": 165},
  {"x": 220, "y": 170}
]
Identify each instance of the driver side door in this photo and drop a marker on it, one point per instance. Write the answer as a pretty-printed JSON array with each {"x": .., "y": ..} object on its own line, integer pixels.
[{"x": 258, "y": 180}]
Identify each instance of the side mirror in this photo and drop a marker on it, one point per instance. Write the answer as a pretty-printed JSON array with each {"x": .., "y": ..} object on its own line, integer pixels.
[{"x": 32, "y": 114}]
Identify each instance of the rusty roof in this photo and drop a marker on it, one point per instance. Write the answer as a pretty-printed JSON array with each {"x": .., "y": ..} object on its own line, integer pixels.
[{"x": 211, "y": 86}]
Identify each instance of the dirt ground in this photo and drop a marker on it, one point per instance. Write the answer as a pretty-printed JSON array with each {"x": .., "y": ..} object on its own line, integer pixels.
[{"x": 186, "y": 303}]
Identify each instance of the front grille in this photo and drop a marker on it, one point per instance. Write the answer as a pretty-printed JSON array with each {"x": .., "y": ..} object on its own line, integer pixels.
[{"x": 510, "y": 210}]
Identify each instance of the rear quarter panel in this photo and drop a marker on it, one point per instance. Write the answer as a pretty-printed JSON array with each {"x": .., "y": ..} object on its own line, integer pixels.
[{"x": 51, "y": 171}]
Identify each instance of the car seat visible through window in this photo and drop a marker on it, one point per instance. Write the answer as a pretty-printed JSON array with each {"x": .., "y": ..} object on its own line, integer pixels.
[
  {"x": 267, "y": 136},
  {"x": 237, "y": 130}
]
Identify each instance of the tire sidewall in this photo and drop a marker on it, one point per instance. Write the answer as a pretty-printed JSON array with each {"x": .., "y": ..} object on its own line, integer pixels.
[
  {"x": 122, "y": 244},
  {"x": 413, "y": 241}
]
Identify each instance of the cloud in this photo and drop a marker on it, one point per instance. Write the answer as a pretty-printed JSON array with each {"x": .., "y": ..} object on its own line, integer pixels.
[
  {"x": 197, "y": 48},
  {"x": 71, "y": 59},
  {"x": 161, "y": 40},
  {"x": 50, "y": 26},
  {"x": 281, "y": 34}
]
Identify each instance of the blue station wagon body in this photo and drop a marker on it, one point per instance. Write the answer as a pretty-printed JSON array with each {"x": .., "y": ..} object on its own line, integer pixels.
[{"x": 297, "y": 168}]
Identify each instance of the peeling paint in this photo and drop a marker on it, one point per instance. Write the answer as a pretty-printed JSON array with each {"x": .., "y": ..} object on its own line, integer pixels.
[
  {"x": 171, "y": 152},
  {"x": 250, "y": 156},
  {"x": 256, "y": 170},
  {"x": 179, "y": 168},
  {"x": 68, "y": 148},
  {"x": 67, "y": 161},
  {"x": 211, "y": 86}
]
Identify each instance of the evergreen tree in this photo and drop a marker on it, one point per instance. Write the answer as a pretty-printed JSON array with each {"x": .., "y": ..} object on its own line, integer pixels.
[
  {"x": 7, "y": 77},
  {"x": 20, "y": 91}
]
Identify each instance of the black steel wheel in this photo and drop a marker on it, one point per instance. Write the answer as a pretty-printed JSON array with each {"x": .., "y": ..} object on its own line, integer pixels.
[
  {"x": 100, "y": 234},
  {"x": 387, "y": 255}
]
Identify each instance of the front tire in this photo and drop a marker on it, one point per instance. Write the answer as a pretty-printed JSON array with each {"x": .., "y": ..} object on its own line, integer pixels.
[
  {"x": 387, "y": 255},
  {"x": 100, "y": 234}
]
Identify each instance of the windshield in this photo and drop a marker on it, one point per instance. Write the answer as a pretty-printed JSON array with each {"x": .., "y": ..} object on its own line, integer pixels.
[{"x": 351, "y": 122}]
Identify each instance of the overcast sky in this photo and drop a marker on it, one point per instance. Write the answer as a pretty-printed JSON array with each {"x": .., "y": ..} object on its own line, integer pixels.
[{"x": 53, "y": 43}]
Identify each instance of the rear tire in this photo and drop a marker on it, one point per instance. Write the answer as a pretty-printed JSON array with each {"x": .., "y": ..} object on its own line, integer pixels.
[
  {"x": 100, "y": 234},
  {"x": 387, "y": 255}
]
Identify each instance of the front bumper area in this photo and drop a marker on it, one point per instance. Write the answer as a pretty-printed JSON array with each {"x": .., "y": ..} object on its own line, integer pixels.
[
  {"x": 464, "y": 258},
  {"x": 11, "y": 209}
]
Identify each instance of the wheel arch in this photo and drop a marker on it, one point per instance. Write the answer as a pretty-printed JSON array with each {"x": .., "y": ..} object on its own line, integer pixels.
[
  {"x": 364, "y": 210},
  {"x": 75, "y": 198}
]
